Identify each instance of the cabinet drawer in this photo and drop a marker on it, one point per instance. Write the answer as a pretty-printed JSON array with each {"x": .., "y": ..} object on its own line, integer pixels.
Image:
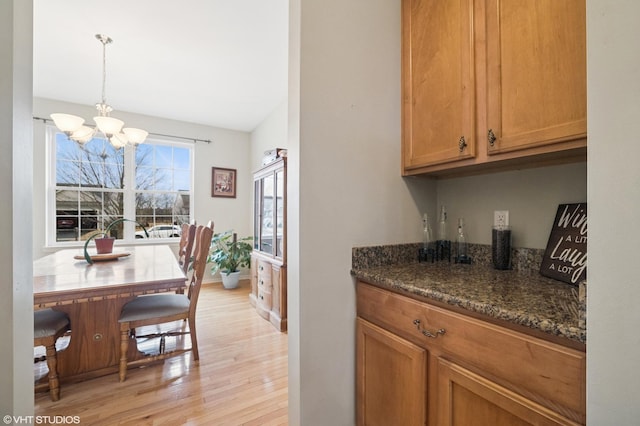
[
  {"x": 264, "y": 274},
  {"x": 263, "y": 305},
  {"x": 264, "y": 298},
  {"x": 526, "y": 364}
]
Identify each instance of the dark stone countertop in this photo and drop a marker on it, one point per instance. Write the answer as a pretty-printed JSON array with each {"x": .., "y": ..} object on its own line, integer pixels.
[{"x": 522, "y": 297}]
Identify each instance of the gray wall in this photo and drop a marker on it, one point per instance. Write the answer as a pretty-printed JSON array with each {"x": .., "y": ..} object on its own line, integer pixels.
[
  {"x": 345, "y": 187},
  {"x": 16, "y": 289},
  {"x": 613, "y": 347},
  {"x": 531, "y": 197}
]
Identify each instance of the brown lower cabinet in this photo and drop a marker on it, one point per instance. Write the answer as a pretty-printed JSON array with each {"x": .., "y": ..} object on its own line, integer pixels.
[{"x": 421, "y": 364}]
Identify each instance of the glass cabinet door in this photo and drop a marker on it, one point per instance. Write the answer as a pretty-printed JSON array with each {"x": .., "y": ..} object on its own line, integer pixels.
[
  {"x": 257, "y": 208},
  {"x": 279, "y": 212},
  {"x": 267, "y": 215},
  {"x": 269, "y": 207}
]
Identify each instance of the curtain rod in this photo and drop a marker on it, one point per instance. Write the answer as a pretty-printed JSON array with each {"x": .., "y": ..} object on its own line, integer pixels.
[{"x": 194, "y": 140}]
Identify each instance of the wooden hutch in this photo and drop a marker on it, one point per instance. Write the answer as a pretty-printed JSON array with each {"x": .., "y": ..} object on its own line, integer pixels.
[{"x": 269, "y": 258}]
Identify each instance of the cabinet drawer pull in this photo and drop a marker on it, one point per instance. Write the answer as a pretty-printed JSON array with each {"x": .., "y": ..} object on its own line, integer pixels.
[
  {"x": 261, "y": 267},
  {"x": 427, "y": 332},
  {"x": 491, "y": 137},
  {"x": 462, "y": 143}
]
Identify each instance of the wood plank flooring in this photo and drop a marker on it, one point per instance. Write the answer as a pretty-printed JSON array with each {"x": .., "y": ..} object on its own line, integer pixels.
[{"x": 241, "y": 378}]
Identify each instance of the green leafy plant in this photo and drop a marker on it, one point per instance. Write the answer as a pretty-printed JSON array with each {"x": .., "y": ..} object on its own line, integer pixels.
[
  {"x": 228, "y": 253},
  {"x": 106, "y": 233}
]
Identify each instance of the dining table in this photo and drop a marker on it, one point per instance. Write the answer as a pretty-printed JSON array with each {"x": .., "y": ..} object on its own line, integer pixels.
[{"x": 92, "y": 295}]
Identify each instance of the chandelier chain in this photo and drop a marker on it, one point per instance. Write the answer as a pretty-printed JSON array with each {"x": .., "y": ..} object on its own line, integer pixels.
[
  {"x": 104, "y": 71},
  {"x": 103, "y": 108},
  {"x": 112, "y": 128}
]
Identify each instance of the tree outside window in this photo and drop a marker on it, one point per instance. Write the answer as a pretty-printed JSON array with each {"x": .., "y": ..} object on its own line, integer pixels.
[{"x": 93, "y": 187}]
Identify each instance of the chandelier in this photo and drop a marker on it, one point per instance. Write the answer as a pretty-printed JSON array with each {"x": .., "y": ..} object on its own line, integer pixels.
[{"x": 73, "y": 126}]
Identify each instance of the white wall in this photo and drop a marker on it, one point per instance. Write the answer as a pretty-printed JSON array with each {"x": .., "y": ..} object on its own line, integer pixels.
[
  {"x": 345, "y": 187},
  {"x": 613, "y": 316},
  {"x": 270, "y": 134},
  {"x": 531, "y": 197},
  {"x": 229, "y": 149},
  {"x": 16, "y": 289}
]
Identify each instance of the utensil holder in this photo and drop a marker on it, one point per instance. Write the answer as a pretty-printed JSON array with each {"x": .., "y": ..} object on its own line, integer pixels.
[{"x": 501, "y": 248}]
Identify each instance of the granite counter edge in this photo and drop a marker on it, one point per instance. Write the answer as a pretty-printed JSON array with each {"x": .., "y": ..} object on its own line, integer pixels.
[{"x": 528, "y": 320}]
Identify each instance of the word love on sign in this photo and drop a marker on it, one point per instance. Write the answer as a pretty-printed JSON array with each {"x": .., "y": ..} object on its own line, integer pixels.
[{"x": 565, "y": 258}]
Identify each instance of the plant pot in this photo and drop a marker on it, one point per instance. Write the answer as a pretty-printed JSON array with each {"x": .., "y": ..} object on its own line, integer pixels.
[
  {"x": 104, "y": 245},
  {"x": 230, "y": 280}
]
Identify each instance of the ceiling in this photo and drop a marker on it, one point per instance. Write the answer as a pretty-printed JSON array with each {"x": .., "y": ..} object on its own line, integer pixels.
[{"x": 220, "y": 63}]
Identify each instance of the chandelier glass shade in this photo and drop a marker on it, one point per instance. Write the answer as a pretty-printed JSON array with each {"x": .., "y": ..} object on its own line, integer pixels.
[{"x": 73, "y": 126}]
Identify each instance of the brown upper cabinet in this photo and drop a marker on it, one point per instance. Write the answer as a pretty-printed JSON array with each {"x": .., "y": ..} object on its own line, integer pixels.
[{"x": 490, "y": 84}]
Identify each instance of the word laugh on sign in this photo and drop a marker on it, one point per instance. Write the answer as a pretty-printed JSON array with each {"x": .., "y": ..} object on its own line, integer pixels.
[{"x": 565, "y": 258}]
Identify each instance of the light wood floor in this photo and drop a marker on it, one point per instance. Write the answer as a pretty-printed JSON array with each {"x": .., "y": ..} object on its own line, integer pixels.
[{"x": 241, "y": 378}]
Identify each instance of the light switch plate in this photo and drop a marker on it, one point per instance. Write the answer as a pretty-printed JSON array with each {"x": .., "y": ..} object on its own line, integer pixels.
[{"x": 501, "y": 218}]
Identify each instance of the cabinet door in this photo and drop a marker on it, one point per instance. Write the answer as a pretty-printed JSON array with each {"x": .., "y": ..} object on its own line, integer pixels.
[
  {"x": 279, "y": 212},
  {"x": 391, "y": 378},
  {"x": 536, "y": 73},
  {"x": 466, "y": 398},
  {"x": 278, "y": 314},
  {"x": 266, "y": 240},
  {"x": 253, "y": 296},
  {"x": 438, "y": 82}
]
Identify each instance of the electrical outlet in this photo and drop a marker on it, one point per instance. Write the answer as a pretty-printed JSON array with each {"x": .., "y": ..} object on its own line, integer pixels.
[{"x": 501, "y": 218}]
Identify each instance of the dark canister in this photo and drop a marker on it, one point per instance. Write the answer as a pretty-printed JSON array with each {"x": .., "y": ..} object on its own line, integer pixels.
[{"x": 501, "y": 247}]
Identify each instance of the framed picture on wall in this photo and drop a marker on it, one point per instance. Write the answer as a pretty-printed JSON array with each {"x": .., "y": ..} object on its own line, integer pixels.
[{"x": 223, "y": 182}]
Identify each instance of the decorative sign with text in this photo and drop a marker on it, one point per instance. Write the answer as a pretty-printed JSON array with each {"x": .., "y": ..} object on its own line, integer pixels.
[{"x": 565, "y": 258}]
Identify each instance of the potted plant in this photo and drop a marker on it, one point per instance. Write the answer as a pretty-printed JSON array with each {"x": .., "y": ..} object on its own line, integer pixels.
[
  {"x": 104, "y": 241},
  {"x": 229, "y": 254}
]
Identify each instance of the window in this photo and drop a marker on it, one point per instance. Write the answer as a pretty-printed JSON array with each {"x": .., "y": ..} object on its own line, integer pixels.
[{"x": 93, "y": 184}]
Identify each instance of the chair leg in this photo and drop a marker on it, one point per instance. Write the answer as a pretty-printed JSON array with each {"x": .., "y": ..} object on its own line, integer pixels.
[
  {"x": 163, "y": 339},
  {"x": 52, "y": 364},
  {"x": 124, "y": 347},
  {"x": 194, "y": 339}
]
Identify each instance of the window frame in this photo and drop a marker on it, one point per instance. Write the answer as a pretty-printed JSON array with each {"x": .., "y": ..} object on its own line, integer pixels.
[{"x": 129, "y": 191}]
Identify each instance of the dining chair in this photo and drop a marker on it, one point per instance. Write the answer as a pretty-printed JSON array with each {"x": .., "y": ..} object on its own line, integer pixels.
[
  {"x": 183, "y": 237},
  {"x": 48, "y": 327},
  {"x": 162, "y": 308},
  {"x": 185, "y": 248}
]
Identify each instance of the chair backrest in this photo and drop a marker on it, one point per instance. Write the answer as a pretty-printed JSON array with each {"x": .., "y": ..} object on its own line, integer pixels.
[
  {"x": 184, "y": 234},
  {"x": 210, "y": 224},
  {"x": 201, "y": 253},
  {"x": 185, "y": 248}
]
